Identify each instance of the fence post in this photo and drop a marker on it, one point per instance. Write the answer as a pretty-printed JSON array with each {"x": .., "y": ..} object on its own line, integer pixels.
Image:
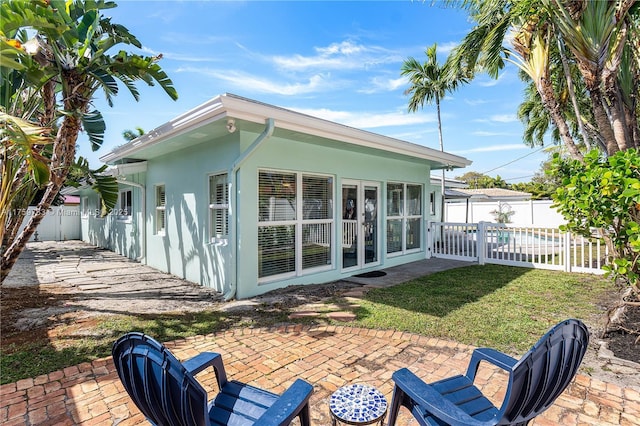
[
  {"x": 429, "y": 233},
  {"x": 481, "y": 241},
  {"x": 567, "y": 251}
]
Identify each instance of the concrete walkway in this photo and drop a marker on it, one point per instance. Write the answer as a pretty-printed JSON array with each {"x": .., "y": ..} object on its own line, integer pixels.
[{"x": 327, "y": 356}]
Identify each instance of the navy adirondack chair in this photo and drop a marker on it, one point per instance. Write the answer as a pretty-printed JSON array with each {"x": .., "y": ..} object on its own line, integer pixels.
[
  {"x": 167, "y": 393},
  {"x": 535, "y": 381}
]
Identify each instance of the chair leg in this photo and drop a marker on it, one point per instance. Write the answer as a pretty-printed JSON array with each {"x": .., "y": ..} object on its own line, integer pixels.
[
  {"x": 396, "y": 400},
  {"x": 305, "y": 416}
]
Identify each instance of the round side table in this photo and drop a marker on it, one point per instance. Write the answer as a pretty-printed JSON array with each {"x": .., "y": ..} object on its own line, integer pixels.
[{"x": 357, "y": 404}]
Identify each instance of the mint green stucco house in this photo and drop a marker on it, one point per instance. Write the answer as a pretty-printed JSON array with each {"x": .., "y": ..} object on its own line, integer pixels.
[{"x": 247, "y": 197}]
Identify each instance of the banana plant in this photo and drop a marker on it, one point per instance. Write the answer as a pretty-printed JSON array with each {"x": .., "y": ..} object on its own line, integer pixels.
[
  {"x": 62, "y": 53},
  {"x": 104, "y": 184},
  {"x": 22, "y": 144}
]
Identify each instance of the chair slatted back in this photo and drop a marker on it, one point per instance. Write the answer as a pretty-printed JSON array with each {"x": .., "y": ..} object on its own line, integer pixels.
[
  {"x": 544, "y": 372},
  {"x": 158, "y": 383}
]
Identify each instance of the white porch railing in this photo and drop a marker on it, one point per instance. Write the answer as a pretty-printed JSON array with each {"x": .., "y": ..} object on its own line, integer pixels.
[
  {"x": 507, "y": 244},
  {"x": 349, "y": 233}
]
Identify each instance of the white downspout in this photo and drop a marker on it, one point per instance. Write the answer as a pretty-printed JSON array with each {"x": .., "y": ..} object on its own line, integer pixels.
[
  {"x": 233, "y": 197},
  {"x": 143, "y": 189}
]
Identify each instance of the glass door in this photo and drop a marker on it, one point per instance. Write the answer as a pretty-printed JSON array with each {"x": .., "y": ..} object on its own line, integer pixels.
[
  {"x": 370, "y": 224},
  {"x": 360, "y": 224}
]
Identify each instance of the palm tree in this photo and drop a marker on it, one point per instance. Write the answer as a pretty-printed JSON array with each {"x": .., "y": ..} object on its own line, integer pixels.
[
  {"x": 57, "y": 53},
  {"x": 593, "y": 38},
  {"x": 429, "y": 83},
  {"x": 596, "y": 44},
  {"x": 130, "y": 135}
]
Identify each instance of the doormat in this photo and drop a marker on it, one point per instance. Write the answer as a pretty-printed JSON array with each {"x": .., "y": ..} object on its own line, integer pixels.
[{"x": 372, "y": 274}]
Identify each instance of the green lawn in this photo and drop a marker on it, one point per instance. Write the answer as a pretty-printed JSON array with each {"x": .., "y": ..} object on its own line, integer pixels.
[{"x": 504, "y": 307}]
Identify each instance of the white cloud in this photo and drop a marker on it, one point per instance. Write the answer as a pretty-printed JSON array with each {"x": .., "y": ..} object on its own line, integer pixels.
[
  {"x": 493, "y": 148},
  {"x": 474, "y": 102},
  {"x": 379, "y": 84},
  {"x": 491, "y": 81},
  {"x": 446, "y": 48},
  {"x": 346, "y": 55},
  {"x": 504, "y": 118},
  {"x": 368, "y": 120},
  {"x": 498, "y": 118},
  {"x": 487, "y": 133},
  {"x": 241, "y": 79}
]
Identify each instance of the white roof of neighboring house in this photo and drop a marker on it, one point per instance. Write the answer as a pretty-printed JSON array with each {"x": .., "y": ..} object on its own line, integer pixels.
[
  {"x": 189, "y": 129},
  {"x": 448, "y": 183},
  {"x": 492, "y": 194}
]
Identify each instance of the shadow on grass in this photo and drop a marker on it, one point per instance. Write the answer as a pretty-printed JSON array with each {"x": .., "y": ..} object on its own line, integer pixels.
[{"x": 444, "y": 292}]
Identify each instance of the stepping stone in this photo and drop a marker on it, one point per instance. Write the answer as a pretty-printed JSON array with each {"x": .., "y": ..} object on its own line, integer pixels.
[
  {"x": 93, "y": 286},
  {"x": 80, "y": 280},
  {"x": 304, "y": 314},
  {"x": 354, "y": 293},
  {"x": 342, "y": 316}
]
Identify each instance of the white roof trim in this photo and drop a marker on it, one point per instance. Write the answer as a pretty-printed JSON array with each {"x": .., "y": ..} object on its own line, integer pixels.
[
  {"x": 130, "y": 168},
  {"x": 229, "y": 105}
]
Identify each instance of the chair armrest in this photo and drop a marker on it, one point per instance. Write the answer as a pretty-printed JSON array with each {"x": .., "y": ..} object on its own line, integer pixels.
[
  {"x": 492, "y": 356},
  {"x": 432, "y": 401},
  {"x": 205, "y": 360},
  {"x": 288, "y": 406}
]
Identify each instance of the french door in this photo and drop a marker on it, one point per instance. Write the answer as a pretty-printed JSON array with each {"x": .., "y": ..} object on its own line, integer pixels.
[{"x": 360, "y": 224}]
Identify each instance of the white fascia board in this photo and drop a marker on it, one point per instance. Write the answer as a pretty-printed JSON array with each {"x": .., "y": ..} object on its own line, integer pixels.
[{"x": 130, "y": 168}]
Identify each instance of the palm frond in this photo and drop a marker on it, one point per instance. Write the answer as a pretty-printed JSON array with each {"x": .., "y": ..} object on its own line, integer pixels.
[{"x": 93, "y": 124}]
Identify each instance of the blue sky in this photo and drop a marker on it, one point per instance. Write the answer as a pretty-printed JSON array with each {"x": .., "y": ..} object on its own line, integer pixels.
[{"x": 336, "y": 60}]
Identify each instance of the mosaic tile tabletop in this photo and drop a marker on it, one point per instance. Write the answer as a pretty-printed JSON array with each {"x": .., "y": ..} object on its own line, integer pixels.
[{"x": 358, "y": 403}]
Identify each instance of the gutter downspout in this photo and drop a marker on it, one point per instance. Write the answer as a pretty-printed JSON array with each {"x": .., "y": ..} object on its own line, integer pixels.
[
  {"x": 143, "y": 189},
  {"x": 233, "y": 196}
]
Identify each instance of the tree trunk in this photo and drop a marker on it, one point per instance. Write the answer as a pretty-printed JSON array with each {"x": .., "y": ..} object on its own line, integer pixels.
[
  {"x": 602, "y": 121},
  {"x": 551, "y": 104},
  {"x": 619, "y": 122},
  {"x": 63, "y": 155},
  {"x": 572, "y": 94}
]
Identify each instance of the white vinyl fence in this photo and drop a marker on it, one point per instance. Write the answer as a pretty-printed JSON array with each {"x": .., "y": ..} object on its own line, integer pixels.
[
  {"x": 507, "y": 244},
  {"x": 59, "y": 223},
  {"x": 530, "y": 212}
]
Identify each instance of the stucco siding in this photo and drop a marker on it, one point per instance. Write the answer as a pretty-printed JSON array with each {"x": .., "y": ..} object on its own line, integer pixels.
[
  {"x": 184, "y": 248},
  {"x": 322, "y": 158},
  {"x": 111, "y": 231}
]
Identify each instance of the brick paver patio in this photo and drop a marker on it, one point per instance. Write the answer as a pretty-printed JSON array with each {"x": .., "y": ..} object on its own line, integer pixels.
[{"x": 327, "y": 356}]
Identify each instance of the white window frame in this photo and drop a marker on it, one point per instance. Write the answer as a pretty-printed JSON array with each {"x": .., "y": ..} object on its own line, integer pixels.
[
  {"x": 432, "y": 203},
  {"x": 405, "y": 217},
  {"x": 124, "y": 212},
  {"x": 217, "y": 206},
  {"x": 298, "y": 223},
  {"x": 160, "y": 210}
]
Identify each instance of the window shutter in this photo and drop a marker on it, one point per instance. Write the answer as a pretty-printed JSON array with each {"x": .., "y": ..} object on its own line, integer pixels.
[
  {"x": 160, "y": 209},
  {"x": 219, "y": 205}
]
